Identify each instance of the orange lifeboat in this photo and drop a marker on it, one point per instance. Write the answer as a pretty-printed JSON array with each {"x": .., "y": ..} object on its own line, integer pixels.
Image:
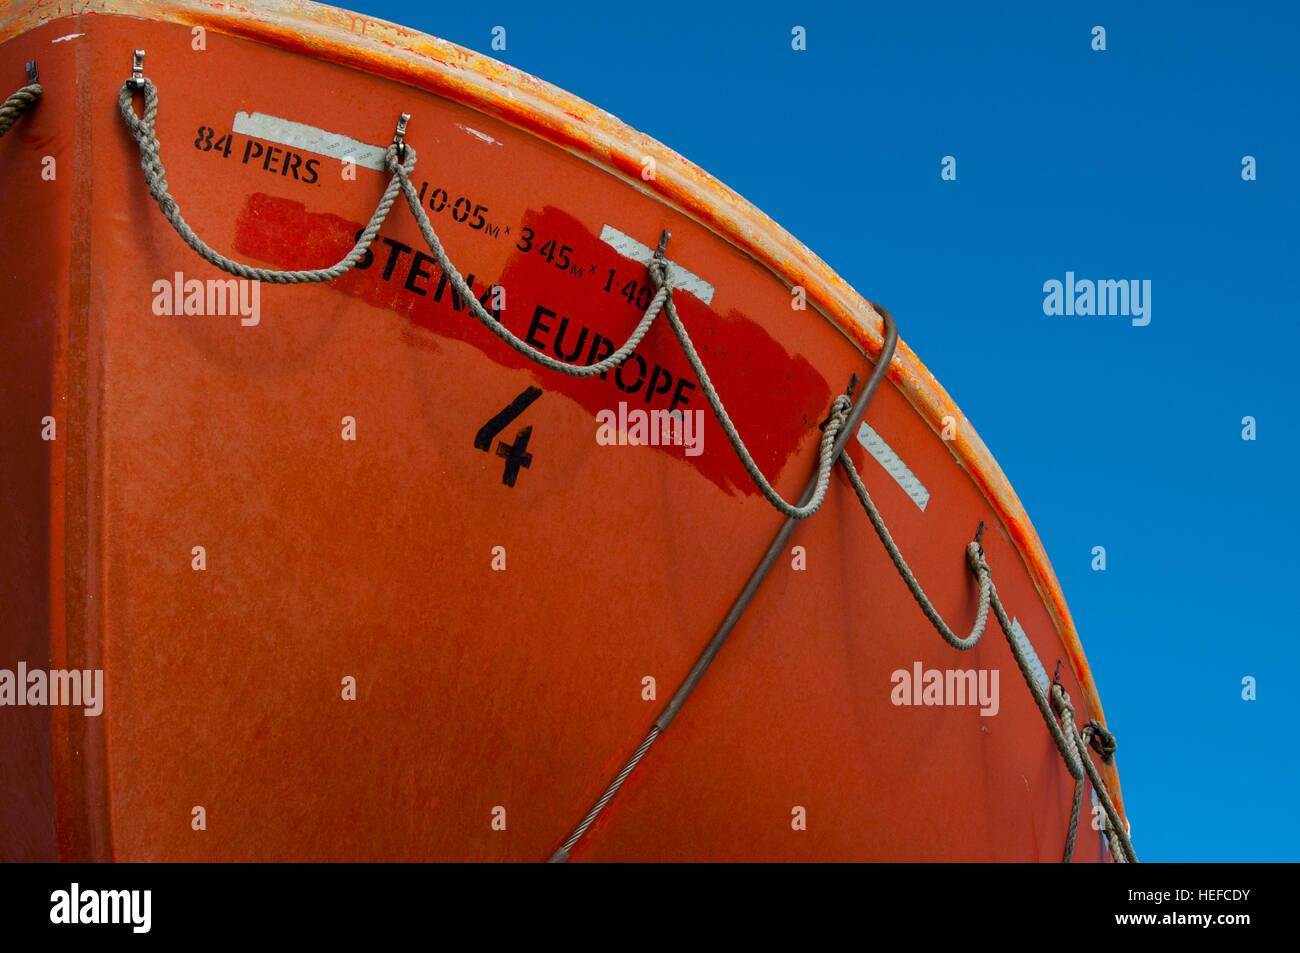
[{"x": 365, "y": 574}]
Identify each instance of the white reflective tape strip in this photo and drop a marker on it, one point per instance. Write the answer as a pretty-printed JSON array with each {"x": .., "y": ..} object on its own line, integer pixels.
[
  {"x": 1035, "y": 666},
  {"x": 629, "y": 247},
  {"x": 478, "y": 135},
  {"x": 299, "y": 135},
  {"x": 894, "y": 465}
]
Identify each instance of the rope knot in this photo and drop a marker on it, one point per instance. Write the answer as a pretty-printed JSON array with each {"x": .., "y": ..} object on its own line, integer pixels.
[
  {"x": 1099, "y": 739},
  {"x": 834, "y": 422},
  {"x": 659, "y": 273},
  {"x": 400, "y": 158},
  {"x": 975, "y": 559},
  {"x": 658, "y": 265},
  {"x": 1061, "y": 701},
  {"x": 839, "y": 412}
]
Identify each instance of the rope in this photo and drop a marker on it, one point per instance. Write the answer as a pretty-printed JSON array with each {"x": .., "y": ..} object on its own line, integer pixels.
[
  {"x": 1101, "y": 740},
  {"x": 974, "y": 559},
  {"x": 1073, "y": 829},
  {"x": 839, "y": 413},
  {"x": 1065, "y": 711},
  {"x": 142, "y": 127},
  {"x": 1073, "y": 749},
  {"x": 1115, "y": 828},
  {"x": 662, "y": 300},
  {"x": 17, "y": 104},
  {"x": 1068, "y": 751},
  {"x": 490, "y": 321}
]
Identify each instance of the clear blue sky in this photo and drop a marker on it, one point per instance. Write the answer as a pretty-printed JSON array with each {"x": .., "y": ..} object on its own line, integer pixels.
[{"x": 1117, "y": 164}]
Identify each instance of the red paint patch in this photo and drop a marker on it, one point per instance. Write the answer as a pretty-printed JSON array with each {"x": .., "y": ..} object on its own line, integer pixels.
[{"x": 775, "y": 399}]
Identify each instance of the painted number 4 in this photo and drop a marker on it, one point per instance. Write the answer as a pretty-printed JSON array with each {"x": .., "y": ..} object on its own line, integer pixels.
[{"x": 515, "y": 454}]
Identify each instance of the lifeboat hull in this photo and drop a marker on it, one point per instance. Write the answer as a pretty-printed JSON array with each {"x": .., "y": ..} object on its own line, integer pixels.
[{"x": 365, "y": 584}]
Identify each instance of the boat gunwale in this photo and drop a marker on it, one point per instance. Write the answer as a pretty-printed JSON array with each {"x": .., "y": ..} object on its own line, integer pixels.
[{"x": 472, "y": 79}]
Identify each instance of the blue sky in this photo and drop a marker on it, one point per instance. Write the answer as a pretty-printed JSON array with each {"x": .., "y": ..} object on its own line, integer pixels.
[{"x": 1117, "y": 164}]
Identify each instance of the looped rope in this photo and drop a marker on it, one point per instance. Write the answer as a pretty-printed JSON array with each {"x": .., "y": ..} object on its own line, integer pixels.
[
  {"x": 142, "y": 128},
  {"x": 974, "y": 559},
  {"x": 1101, "y": 740},
  {"x": 400, "y": 161},
  {"x": 17, "y": 104},
  {"x": 490, "y": 321},
  {"x": 839, "y": 414},
  {"x": 662, "y": 300}
]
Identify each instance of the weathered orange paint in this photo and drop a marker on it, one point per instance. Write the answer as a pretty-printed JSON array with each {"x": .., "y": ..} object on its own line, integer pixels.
[{"x": 389, "y": 52}]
